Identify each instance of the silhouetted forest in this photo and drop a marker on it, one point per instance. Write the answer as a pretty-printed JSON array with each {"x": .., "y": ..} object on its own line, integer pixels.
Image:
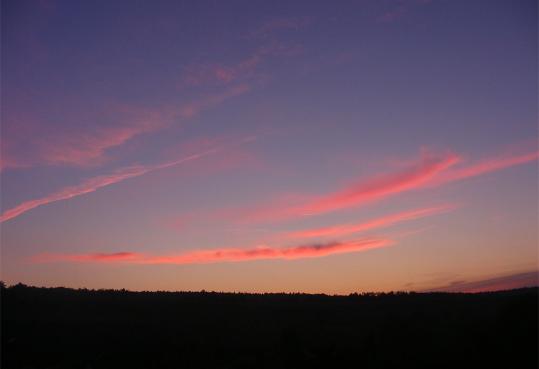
[{"x": 67, "y": 328}]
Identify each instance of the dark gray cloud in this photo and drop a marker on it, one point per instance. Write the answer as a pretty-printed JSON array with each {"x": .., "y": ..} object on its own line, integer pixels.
[{"x": 525, "y": 279}]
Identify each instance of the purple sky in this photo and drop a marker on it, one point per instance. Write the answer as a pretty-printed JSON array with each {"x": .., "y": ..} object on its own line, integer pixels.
[{"x": 269, "y": 146}]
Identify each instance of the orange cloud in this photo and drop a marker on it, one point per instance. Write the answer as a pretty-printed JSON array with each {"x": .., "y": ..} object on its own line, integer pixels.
[
  {"x": 224, "y": 255},
  {"x": 372, "y": 224},
  {"x": 97, "y": 257}
]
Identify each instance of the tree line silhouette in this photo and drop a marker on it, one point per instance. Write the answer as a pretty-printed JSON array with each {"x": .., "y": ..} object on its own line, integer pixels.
[{"x": 81, "y": 328}]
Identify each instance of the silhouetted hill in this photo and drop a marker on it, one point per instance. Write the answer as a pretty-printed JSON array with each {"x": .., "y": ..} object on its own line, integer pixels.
[{"x": 66, "y": 328}]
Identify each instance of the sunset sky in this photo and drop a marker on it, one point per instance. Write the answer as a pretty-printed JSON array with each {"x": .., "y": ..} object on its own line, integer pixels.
[{"x": 264, "y": 146}]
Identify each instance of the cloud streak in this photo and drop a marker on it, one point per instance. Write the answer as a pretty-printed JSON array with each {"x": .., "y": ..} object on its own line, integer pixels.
[
  {"x": 383, "y": 186},
  {"x": 193, "y": 108},
  {"x": 373, "y": 189},
  {"x": 430, "y": 171},
  {"x": 28, "y": 146},
  {"x": 26, "y": 141},
  {"x": 96, "y": 257},
  {"x": 241, "y": 72},
  {"x": 486, "y": 166},
  {"x": 25, "y": 144},
  {"x": 93, "y": 184},
  {"x": 224, "y": 254},
  {"x": 89, "y": 148},
  {"x": 381, "y": 222}
]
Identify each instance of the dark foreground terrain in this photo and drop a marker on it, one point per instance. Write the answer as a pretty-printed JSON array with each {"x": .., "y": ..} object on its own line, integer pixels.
[{"x": 66, "y": 328}]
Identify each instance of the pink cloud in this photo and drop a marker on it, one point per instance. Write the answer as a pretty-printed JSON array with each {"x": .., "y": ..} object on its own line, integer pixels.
[
  {"x": 87, "y": 186},
  {"x": 371, "y": 224},
  {"x": 24, "y": 145},
  {"x": 9, "y": 160},
  {"x": 201, "y": 147},
  {"x": 431, "y": 170},
  {"x": 379, "y": 187},
  {"x": 201, "y": 74},
  {"x": 194, "y": 107},
  {"x": 218, "y": 74},
  {"x": 486, "y": 166},
  {"x": 225, "y": 255},
  {"x": 93, "y": 184},
  {"x": 237, "y": 156},
  {"x": 392, "y": 14},
  {"x": 241, "y": 72},
  {"x": 29, "y": 147},
  {"x": 89, "y": 149}
]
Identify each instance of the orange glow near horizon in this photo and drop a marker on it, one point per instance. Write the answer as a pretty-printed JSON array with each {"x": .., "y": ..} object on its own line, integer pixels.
[{"x": 188, "y": 146}]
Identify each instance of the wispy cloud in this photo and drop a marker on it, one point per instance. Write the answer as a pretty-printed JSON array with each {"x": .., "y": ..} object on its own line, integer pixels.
[
  {"x": 486, "y": 166},
  {"x": 114, "y": 127},
  {"x": 273, "y": 25},
  {"x": 96, "y": 257},
  {"x": 383, "y": 186},
  {"x": 381, "y": 222},
  {"x": 194, "y": 107},
  {"x": 429, "y": 171},
  {"x": 198, "y": 74},
  {"x": 87, "y": 186},
  {"x": 93, "y": 184},
  {"x": 30, "y": 142},
  {"x": 244, "y": 71},
  {"x": 89, "y": 147},
  {"x": 223, "y": 255},
  {"x": 393, "y": 14},
  {"x": 413, "y": 177},
  {"x": 399, "y": 9}
]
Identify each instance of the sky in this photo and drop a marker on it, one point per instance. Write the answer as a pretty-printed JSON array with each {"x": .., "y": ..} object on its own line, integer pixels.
[{"x": 270, "y": 146}]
